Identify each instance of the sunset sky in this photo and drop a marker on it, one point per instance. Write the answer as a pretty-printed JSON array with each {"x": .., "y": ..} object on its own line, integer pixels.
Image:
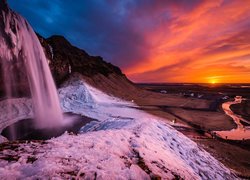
[{"x": 154, "y": 40}]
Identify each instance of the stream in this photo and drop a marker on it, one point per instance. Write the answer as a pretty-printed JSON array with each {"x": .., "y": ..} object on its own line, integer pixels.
[{"x": 241, "y": 132}]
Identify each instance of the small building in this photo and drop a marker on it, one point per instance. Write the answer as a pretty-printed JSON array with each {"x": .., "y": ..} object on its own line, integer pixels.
[
  {"x": 163, "y": 91},
  {"x": 225, "y": 97}
]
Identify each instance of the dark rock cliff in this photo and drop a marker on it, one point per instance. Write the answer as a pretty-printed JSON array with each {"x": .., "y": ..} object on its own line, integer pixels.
[{"x": 65, "y": 59}]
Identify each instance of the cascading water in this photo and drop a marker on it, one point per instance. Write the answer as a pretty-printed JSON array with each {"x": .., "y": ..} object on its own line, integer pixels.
[{"x": 22, "y": 59}]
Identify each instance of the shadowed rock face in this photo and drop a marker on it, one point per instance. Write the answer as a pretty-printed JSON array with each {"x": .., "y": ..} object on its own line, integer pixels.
[
  {"x": 65, "y": 59},
  {"x": 3, "y": 4}
]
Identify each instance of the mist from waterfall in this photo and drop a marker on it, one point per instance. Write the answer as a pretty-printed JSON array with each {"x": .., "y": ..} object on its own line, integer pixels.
[{"x": 25, "y": 68}]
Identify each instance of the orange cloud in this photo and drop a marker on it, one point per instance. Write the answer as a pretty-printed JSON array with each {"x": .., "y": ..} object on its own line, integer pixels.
[{"x": 210, "y": 41}]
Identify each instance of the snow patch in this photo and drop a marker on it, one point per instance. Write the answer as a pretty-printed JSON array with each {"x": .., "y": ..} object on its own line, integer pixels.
[
  {"x": 51, "y": 51},
  {"x": 125, "y": 143},
  {"x": 13, "y": 110}
]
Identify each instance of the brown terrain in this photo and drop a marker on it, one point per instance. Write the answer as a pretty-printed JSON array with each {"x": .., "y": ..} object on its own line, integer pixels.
[
  {"x": 243, "y": 109},
  {"x": 195, "y": 117}
]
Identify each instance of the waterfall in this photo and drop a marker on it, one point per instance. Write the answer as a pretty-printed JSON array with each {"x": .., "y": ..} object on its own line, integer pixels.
[{"x": 25, "y": 69}]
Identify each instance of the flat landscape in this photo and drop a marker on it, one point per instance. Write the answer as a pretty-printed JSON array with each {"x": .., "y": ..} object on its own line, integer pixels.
[{"x": 197, "y": 112}]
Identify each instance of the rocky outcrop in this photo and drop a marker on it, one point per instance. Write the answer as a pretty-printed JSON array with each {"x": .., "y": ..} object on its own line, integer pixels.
[{"x": 65, "y": 59}]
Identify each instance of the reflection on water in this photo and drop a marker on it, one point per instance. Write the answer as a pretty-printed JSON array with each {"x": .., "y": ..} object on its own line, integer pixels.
[{"x": 241, "y": 132}]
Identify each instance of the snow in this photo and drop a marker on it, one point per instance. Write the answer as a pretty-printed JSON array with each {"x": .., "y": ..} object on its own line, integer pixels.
[
  {"x": 81, "y": 98},
  {"x": 125, "y": 143},
  {"x": 19, "y": 108},
  {"x": 51, "y": 51},
  {"x": 70, "y": 69}
]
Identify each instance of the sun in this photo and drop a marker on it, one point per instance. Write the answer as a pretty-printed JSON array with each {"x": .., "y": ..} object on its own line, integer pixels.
[{"x": 213, "y": 82}]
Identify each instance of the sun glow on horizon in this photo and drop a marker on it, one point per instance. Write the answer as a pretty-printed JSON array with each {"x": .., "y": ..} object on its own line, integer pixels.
[
  {"x": 213, "y": 79},
  {"x": 213, "y": 82},
  {"x": 186, "y": 54}
]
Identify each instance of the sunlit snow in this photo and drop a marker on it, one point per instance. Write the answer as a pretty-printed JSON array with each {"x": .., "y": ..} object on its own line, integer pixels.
[{"x": 124, "y": 143}]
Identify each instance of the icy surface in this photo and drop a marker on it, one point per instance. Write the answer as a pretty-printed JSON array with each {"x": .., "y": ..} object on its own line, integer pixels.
[
  {"x": 124, "y": 144},
  {"x": 51, "y": 51},
  {"x": 20, "y": 108}
]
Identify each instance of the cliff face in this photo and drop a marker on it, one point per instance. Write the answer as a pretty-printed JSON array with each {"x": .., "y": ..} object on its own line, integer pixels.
[{"x": 65, "y": 59}]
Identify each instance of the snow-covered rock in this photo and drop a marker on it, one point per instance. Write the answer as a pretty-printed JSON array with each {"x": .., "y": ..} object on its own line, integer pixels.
[
  {"x": 13, "y": 110},
  {"x": 3, "y": 139},
  {"x": 125, "y": 143}
]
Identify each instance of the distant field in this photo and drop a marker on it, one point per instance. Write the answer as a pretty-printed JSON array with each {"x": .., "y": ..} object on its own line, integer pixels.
[
  {"x": 208, "y": 90},
  {"x": 210, "y": 116},
  {"x": 199, "y": 107}
]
